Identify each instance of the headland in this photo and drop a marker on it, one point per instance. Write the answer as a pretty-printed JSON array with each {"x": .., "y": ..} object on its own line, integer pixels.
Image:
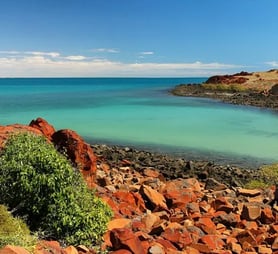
[{"x": 259, "y": 89}]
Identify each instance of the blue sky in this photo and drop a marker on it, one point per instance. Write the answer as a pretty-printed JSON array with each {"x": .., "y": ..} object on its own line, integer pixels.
[{"x": 151, "y": 38}]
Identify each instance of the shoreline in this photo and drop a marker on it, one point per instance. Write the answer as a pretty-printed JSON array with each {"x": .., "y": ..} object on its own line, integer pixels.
[
  {"x": 172, "y": 167},
  {"x": 246, "y": 98}
]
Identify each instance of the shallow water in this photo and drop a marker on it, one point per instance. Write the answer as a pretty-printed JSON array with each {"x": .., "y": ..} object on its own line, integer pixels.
[{"x": 141, "y": 112}]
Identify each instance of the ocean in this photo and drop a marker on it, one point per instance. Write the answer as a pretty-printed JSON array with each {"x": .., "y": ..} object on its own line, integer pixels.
[{"x": 141, "y": 113}]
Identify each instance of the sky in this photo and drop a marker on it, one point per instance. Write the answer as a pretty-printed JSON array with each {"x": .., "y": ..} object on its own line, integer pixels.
[{"x": 137, "y": 38}]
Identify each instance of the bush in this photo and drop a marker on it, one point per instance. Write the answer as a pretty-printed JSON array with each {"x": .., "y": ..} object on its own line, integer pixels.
[
  {"x": 14, "y": 231},
  {"x": 268, "y": 175},
  {"x": 38, "y": 182}
]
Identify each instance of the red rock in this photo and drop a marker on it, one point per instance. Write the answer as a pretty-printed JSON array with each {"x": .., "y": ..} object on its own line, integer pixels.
[
  {"x": 79, "y": 152},
  {"x": 155, "y": 199},
  {"x": 71, "y": 250},
  {"x": 139, "y": 201},
  {"x": 190, "y": 250},
  {"x": 44, "y": 127},
  {"x": 206, "y": 225},
  {"x": 118, "y": 223},
  {"x": 274, "y": 245},
  {"x": 230, "y": 219},
  {"x": 166, "y": 244},
  {"x": 177, "y": 236},
  {"x": 221, "y": 204},
  {"x": 122, "y": 251},
  {"x": 9, "y": 249},
  {"x": 235, "y": 248},
  {"x": 248, "y": 237},
  {"x": 202, "y": 248},
  {"x": 151, "y": 173},
  {"x": 150, "y": 220},
  {"x": 46, "y": 247},
  {"x": 124, "y": 238},
  {"x": 212, "y": 241},
  {"x": 267, "y": 216},
  {"x": 251, "y": 211}
]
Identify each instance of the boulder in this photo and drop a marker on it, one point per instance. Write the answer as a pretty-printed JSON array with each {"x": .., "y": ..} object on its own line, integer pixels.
[
  {"x": 124, "y": 238},
  {"x": 274, "y": 90},
  {"x": 9, "y": 249},
  {"x": 155, "y": 200},
  {"x": 43, "y": 126},
  {"x": 79, "y": 152}
]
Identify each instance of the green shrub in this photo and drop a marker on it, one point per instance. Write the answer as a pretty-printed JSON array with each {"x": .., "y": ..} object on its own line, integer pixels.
[
  {"x": 39, "y": 183},
  {"x": 268, "y": 175},
  {"x": 14, "y": 231}
]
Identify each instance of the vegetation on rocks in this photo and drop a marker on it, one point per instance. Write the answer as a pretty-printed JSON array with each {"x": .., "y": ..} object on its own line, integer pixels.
[
  {"x": 39, "y": 183},
  {"x": 268, "y": 176},
  {"x": 14, "y": 231}
]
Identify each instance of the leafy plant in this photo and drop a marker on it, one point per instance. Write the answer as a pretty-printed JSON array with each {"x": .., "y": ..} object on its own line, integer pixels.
[
  {"x": 268, "y": 175},
  {"x": 14, "y": 231},
  {"x": 38, "y": 182}
]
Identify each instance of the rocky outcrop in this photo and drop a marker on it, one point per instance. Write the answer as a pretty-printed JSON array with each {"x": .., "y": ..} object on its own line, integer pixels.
[
  {"x": 68, "y": 142},
  {"x": 78, "y": 151},
  {"x": 44, "y": 127},
  {"x": 228, "y": 79}
]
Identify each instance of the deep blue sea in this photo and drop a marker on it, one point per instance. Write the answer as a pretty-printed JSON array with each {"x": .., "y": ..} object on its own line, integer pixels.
[{"x": 140, "y": 112}]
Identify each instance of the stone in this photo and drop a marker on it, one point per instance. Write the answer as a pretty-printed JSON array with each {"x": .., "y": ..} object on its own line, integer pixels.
[
  {"x": 118, "y": 223},
  {"x": 71, "y": 250},
  {"x": 267, "y": 216},
  {"x": 150, "y": 220},
  {"x": 248, "y": 192},
  {"x": 235, "y": 248},
  {"x": 9, "y": 249},
  {"x": 124, "y": 238},
  {"x": 79, "y": 152},
  {"x": 221, "y": 204},
  {"x": 206, "y": 225},
  {"x": 212, "y": 184},
  {"x": 274, "y": 90},
  {"x": 213, "y": 242},
  {"x": 251, "y": 211},
  {"x": 44, "y": 127},
  {"x": 45, "y": 247},
  {"x": 166, "y": 244},
  {"x": 248, "y": 237},
  {"x": 156, "y": 249},
  {"x": 155, "y": 200},
  {"x": 262, "y": 249},
  {"x": 122, "y": 251},
  {"x": 177, "y": 236}
]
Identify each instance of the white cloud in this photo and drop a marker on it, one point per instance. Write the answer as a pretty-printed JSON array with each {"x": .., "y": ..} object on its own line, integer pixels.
[
  {"x": 272, "y": 64},
  {"x": 147, "y": 53},
  {"x": 105, "y": 50},
  {"x": 44, "y": 65},
  {"x": 75, "y": 58},
  {"x": 38, "y": 53}
]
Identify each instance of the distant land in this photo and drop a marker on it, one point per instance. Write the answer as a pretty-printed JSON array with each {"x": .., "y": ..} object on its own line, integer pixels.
[{"x": 258, "y": 89}]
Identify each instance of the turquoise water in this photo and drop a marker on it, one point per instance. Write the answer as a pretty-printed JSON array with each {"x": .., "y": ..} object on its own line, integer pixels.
[{"x": 141, "y": 112}]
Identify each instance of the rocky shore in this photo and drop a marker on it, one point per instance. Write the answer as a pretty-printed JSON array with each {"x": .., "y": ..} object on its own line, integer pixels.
[
  {"x": 252, "y": 89},
  {"x": 162, "y": 204},
  {"x": 172, "y": 167}
]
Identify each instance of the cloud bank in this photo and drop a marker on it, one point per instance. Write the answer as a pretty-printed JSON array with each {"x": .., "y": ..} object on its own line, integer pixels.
[{"x": 53, "y": 64}]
